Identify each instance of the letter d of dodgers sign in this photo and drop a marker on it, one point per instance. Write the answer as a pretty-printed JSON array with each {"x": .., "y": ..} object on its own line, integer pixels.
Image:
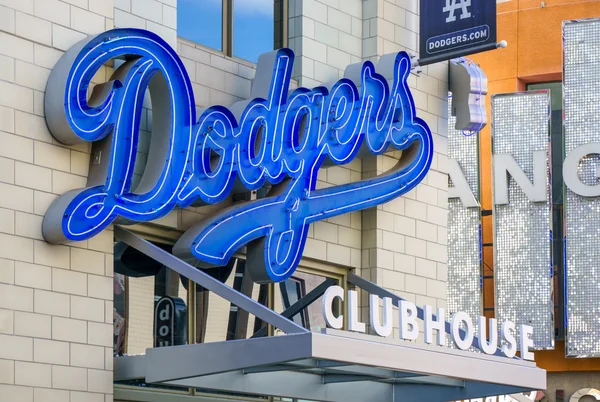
[{"x": 275, "y": 139}]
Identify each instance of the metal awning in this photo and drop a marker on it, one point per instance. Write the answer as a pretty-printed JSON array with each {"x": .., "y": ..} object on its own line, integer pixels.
[{"x": 333, "y": 366}]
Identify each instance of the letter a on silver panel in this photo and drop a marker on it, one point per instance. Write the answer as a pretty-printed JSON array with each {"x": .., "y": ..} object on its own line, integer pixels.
[
  {"x": 461, "y": 188},
  {"x": 522, "y": 228}
]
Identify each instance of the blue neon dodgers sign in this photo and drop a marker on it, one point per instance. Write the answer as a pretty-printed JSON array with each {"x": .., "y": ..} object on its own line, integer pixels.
[{"x": 277, "y": 138}]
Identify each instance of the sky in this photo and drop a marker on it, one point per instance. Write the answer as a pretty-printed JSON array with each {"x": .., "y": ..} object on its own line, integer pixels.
[{"x": 201, "y": 21}]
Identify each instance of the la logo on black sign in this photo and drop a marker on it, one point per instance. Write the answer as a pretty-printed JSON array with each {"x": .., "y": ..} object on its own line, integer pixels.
[{"x": 455, "y": 28}]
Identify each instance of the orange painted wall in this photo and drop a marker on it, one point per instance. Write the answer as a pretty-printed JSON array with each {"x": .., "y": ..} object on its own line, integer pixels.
[{"x": 534, "y": 54}]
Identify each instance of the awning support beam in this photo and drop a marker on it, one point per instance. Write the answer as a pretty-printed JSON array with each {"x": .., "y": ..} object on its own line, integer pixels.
[
  {"x": 270, "y": 369},
  {"x": 208, "y": 282},
  {"x": 439, "y": 393},
  {"x": 301, "y": 304},
  {"x": 337, "y": 378}
]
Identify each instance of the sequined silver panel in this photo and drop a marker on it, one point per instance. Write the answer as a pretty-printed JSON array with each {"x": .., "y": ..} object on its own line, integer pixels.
[
  {"x": 522, "y": 244},
  {"x": 464, "y": 246},
  {"x": 582, "y": 126}
]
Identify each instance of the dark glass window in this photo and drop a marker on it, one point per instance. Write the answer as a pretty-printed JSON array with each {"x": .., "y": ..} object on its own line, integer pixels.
[
  {"x": 557, "y": 157},
  {"x": 150, "y": 303},
  {"x": 201, "y": 21},
  {"x": 294, "y": 292},
  {"x": 150, "y": 306},
  {"x": 155, "y": 306}
]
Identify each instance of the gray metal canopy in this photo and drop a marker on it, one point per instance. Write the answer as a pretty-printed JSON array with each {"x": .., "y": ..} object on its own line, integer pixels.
[{"x": 333, "y": 366}]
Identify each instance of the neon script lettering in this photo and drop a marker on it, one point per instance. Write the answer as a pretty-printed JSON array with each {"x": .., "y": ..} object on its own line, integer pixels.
[{"x": 277, "y": 140}]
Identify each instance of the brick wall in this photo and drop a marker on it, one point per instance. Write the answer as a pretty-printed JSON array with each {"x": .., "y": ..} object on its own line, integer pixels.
[
  {"x": 158, "y": 16},
  {"x": 55, "y": 301},
  {"x": 410, "y": 232},
  {"x": 326, "y": 36}
]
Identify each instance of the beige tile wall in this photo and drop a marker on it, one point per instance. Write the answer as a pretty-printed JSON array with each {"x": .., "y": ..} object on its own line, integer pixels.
[
  {"x": 56, "y": 301},
  {"x": 402, "y": 243}
]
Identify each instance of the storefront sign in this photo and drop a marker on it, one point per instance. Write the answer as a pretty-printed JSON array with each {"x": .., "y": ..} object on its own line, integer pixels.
[
  {"x": 409, "y": 327},
  {"x": 523, "y": 209},
  {"x": 464, "y": 224},
  {"x": 535, "y": 190},
  {"x": 164, "y": 323},
  {"x": 170, "y": 326},
  {"x": 523, "y": 232},
  {"x": 522, "y": 213},
  {"x": 581, "y": 205},
  {"x": 523, "y": 250},
  {"x": 455, "y": 28},
  {"x": 277, "y": 138}
]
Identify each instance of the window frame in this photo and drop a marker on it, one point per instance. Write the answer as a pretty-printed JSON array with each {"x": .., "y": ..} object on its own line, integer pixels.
[{"x": 228, "y": 29}]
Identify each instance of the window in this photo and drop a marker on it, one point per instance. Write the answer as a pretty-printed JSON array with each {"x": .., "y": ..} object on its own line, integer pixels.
[
  {"x": 240, "y": 28},
  {"x": 293, "y": 290},
  {"x": 297, "y": 287},
  {"x": 253, "y": 28},
  {"x": 557, "y": 155},
  {"x": 148, "y": 295},
  {"x": 201, "y": 22},
  {"x": 155, "y": 306}
]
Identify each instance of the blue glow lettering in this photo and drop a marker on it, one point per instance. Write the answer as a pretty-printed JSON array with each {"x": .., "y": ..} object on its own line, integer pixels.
[{"x": 275, "y": 138}]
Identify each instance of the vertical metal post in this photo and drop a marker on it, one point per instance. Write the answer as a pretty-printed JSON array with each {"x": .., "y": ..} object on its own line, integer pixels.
[
  {"x": 126, "y": 313},
  {"x": 227, "y": 27},
  {"x": 191, "y": 299},
  {"x": 343, "y": 303},
  {"x": 271, "y": 305},
  {"x": 241, "y": 328},
  {"x": 285, "y": 18}
]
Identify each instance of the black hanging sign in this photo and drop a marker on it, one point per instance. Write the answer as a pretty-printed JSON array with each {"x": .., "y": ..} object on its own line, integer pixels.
[
  {"x": 456, "y": 28},
  {"x": 170, "y": 314}
]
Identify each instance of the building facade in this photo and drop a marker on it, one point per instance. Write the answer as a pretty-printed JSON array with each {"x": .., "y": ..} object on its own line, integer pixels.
[
  {"x": 67, "y": 310},
  {"x": 535, "y": 59}
]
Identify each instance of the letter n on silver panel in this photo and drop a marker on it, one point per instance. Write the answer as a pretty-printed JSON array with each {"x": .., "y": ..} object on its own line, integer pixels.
[
  {"x": 523, "y": 271},
  {"x": 581, "y": 106}
]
